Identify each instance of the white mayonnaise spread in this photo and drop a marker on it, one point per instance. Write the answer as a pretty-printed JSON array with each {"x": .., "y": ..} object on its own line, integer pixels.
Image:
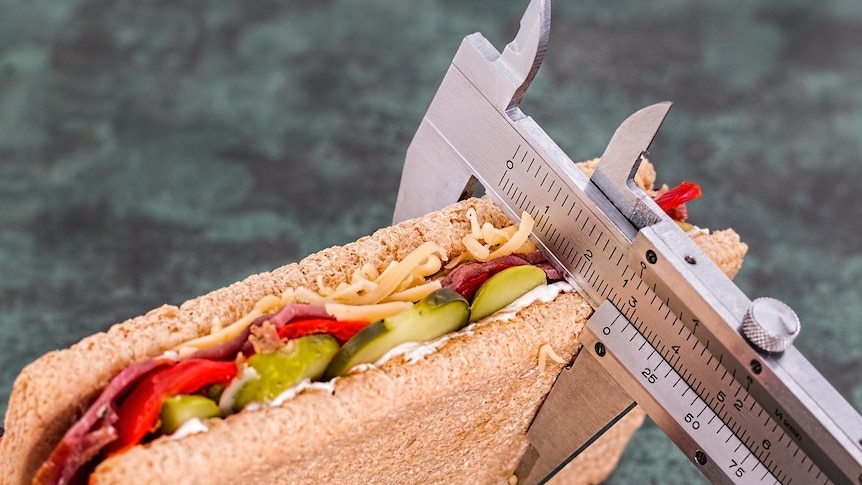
[
  {"x": 190, "y": 427},
  {"x": 228, "y": 396},
  {"x": 416, "y": 351},
  {"x": 543, "y": 294},
  {"x": 413, "y": 352},
  {"x": 290, "y": 393}
]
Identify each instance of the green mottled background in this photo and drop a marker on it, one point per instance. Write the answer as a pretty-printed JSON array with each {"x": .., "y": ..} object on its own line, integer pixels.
[{"x": 152, "y": 151}]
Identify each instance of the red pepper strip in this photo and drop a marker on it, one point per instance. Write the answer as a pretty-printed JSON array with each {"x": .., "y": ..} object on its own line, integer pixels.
[
  {"x": 673, "y": 201},
  {"x": 139, "y": 412},
  {"x": 95, "y": 429},
  {"x": 342, "y": 331}
]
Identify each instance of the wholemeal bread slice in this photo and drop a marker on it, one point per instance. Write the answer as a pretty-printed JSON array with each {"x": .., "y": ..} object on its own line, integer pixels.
[{"x": 458, "y": 415}]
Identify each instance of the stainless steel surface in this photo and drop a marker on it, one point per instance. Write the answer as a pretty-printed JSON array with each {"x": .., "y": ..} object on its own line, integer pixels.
[
  {"x": 615, "y": 174},
  {"x": 701, "y": 309},
  {"x": 504, "y": 78},
  {"x": 617, "y": 246},
  {"x": 770, "y": 325},
  {"x": 584, "y": 403},
  {"x": 671, "y": 401}
]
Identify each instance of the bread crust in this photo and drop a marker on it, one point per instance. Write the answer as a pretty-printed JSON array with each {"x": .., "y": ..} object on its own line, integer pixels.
[{"x": 377, "y": 421}]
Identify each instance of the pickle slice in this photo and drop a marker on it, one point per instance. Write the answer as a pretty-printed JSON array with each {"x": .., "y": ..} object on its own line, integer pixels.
[
  {"x": 439, "y": 313},
  {"x": 302, "y": 358},
  {"x": 178, "y": 409},
  {"x": 503, "y": 288}
]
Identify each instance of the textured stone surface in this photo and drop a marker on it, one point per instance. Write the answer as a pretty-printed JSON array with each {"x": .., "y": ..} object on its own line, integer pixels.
[{"x": 152, "y": 151}]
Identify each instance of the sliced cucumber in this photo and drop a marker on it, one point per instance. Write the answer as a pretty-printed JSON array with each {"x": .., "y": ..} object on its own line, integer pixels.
[
  {"x": 439, "y": 313},
  {"x": 302, "y": 358},
  {"x": 504, "y": 288}
]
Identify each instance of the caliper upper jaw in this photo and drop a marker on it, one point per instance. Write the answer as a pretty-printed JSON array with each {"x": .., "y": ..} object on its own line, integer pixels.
[
  {"x": 435, "y": 173},
  {"x": 521, "y": 58},
  {"x": 615, "y": 173}
]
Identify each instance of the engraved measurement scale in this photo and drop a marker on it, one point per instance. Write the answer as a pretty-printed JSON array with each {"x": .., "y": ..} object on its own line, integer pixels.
[{"x": 715, "y": 370}]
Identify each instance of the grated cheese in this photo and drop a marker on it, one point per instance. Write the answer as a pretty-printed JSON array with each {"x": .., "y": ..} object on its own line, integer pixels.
[
  {"x": 267, "y": 304},
  {"x": 546, "y": 352},
  {"x": 367, "y": 313},
  {"x": 517, "y": 239},
  {"x": 371, "y": 295},
  {"x": 415, "y": 293},
  {"x": 493, "y": 236},
  {"x": 513, "y": 239},
  {"x": 304, "y": 295},
  {"x": 366, "y": 287},
  {"x": 387, "y": 283}
]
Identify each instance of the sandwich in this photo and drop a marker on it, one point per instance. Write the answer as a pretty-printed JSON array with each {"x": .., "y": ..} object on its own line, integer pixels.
[{"x": 419, "y": 353}]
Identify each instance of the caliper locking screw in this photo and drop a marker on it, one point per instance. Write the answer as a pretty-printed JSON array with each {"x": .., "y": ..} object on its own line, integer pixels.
[
  {"x": 756, "y": 367},
  {"x": 651, "y": 256},
  {"x": 700, "y": 457},
  {"x": 600, "y": 349}
]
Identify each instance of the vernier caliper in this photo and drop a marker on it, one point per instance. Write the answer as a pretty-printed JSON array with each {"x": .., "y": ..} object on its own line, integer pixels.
[{"x": 715, "y": 370}]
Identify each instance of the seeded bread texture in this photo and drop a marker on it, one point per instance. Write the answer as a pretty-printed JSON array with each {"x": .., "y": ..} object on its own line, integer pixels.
[{"x": 457, "y": 415}]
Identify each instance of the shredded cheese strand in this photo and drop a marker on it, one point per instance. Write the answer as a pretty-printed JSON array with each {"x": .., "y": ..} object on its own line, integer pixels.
[
  {"x": 388, "y": 282},
  {"x": 519, "y": 238},
  {"x": 493, "y": 236},
  {"x": 414, "y": 293},
  {"x": 475, "y": 249},
  {"x": 475, "y": 228},
  {"x": 456, "y": 261},
  {"x": 514, "y": 239},
  {"x": 367, "y": 313},
  {"x": 267, "y": 304},
  {"x": 304, "y": 295},
  {"x": 371, "y": 295},
  {"x": 546, "y": 352},
  {"x": 427, "y": 268}
]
